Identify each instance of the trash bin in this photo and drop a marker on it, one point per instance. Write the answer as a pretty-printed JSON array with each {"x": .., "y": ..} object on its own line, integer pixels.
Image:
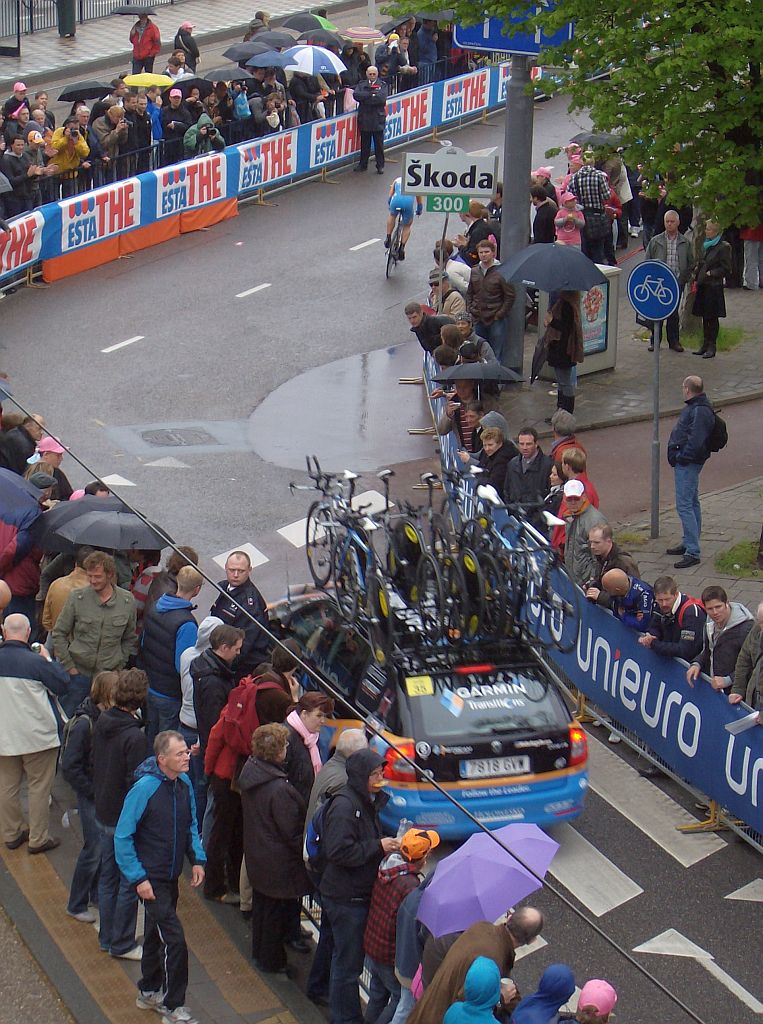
[{"x": 67, "y": 18}]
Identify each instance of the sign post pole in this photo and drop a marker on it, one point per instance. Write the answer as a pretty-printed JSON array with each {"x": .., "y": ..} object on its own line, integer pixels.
[{"x": 654, "y": 293}]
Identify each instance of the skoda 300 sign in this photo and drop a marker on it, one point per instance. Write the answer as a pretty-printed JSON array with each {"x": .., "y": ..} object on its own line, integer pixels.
[{"x": 450, "y": 170}]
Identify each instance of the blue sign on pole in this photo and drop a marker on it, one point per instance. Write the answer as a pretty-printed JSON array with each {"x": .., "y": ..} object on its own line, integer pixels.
[
  {"x": 490, "y": 35},
  {"x": 653, "y": 290}
]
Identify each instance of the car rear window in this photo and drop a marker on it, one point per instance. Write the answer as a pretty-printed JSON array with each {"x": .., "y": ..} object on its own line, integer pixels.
[
  {"x": 493, "y": 701},
  {"x": 337, "y": 650}
]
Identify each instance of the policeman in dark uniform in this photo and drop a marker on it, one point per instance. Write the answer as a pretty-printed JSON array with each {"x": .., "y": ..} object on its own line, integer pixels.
[{"x": 239, "y": 589}]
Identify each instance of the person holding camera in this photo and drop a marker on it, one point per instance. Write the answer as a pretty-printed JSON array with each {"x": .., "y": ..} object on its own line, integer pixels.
[
  {"x": 202, "y": 138},
  {"x": 70, "y": 145},
  {"x": 111, "y": 133}
]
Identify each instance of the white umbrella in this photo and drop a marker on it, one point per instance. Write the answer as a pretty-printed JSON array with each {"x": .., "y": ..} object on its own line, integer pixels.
[{"x": 313, "y": 60}]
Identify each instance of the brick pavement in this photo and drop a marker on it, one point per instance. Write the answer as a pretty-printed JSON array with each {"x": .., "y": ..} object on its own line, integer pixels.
[
  {"x": 45, "y": 57},
  {"x": 729, "y": 516},
  {"x": 625, "y": 394}
]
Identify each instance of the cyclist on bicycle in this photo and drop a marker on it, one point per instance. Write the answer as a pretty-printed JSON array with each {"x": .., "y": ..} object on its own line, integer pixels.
[{"x": 403, "y": 205}]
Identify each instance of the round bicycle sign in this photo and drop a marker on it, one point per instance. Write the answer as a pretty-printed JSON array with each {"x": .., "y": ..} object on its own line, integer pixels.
[{"x": 653, "y": 290}]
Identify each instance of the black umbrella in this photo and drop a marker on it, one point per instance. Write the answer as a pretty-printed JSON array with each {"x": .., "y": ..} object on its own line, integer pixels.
[
  {"x": 19, "y": 497},
  {"x": 243, "y": 51},
  {"x": 598, "y": 139},
  {"x": 227, "y": 75},
  {"x": 186, "y": 84},
  {"x": 118, "y": 531},
  {"x": 274, "y": 39},
  {"x": 303, "y": 22},
  {"x": 268, "y": 59},
  {"x": 134, "y": 9},
  {"x": 552, "y": 267},
  {"x": 46, "y": 528},
  {"x": 393, "y": 24},
  {"x": 89, "y": 90},
  {"x": 322, "y": 37},
  {"x": 479, "y": 372}
]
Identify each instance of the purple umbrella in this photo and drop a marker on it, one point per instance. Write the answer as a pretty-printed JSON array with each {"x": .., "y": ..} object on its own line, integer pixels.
[{"x": 480, "y": 881}]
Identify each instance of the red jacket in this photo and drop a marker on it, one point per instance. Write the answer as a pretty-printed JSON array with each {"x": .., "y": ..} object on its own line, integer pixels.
[
  {"x": 752, "y": 234},
  {"x": 391, "y": 887},
  {"x": 148, "y": 44},
  {"x": 219, "y": 759}
]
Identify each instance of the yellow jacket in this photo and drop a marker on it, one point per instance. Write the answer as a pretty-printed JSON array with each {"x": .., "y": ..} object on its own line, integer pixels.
[{"x": 68, "y": 158}]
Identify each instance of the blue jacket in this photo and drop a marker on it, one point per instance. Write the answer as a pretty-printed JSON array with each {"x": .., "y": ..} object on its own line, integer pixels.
[
  {"x": 427, "y": 46},
  {"x": 687, "y": 444},
  {"x": 157, "y": 827},
  {"x": 635, "y": 609}
]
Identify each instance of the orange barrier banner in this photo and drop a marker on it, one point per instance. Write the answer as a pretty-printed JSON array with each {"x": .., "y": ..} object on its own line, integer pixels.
[
  {"x": 151, "y": 234},
  {"x": 205, "y": 216},
  {"x": 82, "y": 259}
]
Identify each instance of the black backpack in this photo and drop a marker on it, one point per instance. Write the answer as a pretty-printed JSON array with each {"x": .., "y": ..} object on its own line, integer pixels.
[
  {"x": 719, "y": 436},
  {"x": 314, "y": 851}
]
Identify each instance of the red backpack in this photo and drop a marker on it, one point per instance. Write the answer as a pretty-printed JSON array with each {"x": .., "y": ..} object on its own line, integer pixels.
[
  {"x": 239, "y": 716},
  {"x": 690, "y": 602}
]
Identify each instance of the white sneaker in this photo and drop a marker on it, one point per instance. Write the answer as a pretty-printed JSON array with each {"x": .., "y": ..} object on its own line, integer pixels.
[
  {"x": 180, "y": 1015},
  {"x": 151, "y": 1001},
  {"x": 634, "y": 232},
  {"x": 136, "y": 953},
  {"x": 613, "y": 738},
  {"x": 85, "y": 916}
]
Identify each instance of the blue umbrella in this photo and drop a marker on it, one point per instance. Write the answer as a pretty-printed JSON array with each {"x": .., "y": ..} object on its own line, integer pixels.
[
  {"x": 19, "y": 499},
  {"x": 480, "y": 880},
  {"x": 552, "y": 267},
  {"x": 313, "y": 60},
  {"x": 268, "y": 59}
]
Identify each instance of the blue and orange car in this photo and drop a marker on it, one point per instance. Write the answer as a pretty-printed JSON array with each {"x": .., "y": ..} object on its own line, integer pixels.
[{"x": 493, "y": 731}]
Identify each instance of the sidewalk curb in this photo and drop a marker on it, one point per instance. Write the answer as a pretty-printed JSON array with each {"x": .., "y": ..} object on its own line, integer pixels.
[{"x": 80, "y": 68}]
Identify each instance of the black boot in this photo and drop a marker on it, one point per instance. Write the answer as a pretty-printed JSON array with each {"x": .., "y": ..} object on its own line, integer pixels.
[
  {"x": 709, "y": 353},
  {"x": 566, "y": 402}
]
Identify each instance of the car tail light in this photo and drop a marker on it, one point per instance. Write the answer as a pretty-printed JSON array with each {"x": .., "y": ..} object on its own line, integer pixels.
[
  {"x": 396, "y": 769},
  {"x": 578, "y": 745}
]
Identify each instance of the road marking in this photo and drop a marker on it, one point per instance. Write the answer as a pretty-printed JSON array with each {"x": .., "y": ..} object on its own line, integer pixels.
[
  {"x": 673, "y": 943},
  {"x": 362, "y": 245},
  {"x": 537, "y": 943},
  {"x": 169, "y": 463},
  {"x": 115, "y": 480},
  {"x": 295, "y": 533},
  {"x": 373, "y": 499},
  {"x": 753, "y": 892},
  {"x": 644, "y": 804},
  {"x": 122, "y": 344},
  {"x": 255, "y": 555},
  {"x": 251, "y": 291},
  {"x": 590, "y": 876}
]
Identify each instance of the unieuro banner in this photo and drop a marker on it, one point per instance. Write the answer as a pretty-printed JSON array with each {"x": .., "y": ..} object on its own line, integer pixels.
[
  {"x": 648, "y": 694},
  {"x": 142, "y": 207},
  {"x": 23, "y": 246}
]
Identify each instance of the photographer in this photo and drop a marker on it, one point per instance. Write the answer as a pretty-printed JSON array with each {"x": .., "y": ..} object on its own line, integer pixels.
[
  {"x": 110, "y": 132},
  {"x": 202, "y": 138},
  {"x": 269, "y": 114},
  {"x": 71, "y": 152}
]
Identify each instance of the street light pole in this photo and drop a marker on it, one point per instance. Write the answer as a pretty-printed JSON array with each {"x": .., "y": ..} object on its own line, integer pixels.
[{"x": 517, "y": 164}]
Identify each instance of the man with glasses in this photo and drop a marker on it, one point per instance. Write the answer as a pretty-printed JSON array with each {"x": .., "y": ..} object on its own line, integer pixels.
[{"x": 157, "y": 830}]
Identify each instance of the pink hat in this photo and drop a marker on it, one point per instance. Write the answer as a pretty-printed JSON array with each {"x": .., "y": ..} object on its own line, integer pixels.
[
  {"x": 19, "y": 87},
  {"x": 50, "y": 444},
  {"x": 596, "y": 993},
  {"x": 543, "y": 172},
  {"x": 176, "y": 92},
  {"x": 79, "y": 493},
  {"x": 567, "y": 196},
  {"x": 188, "y": 25},
  {"x": 575, "y": 489}
]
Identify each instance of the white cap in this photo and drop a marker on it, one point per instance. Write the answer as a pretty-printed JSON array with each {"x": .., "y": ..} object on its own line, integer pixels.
[{"x": 574, "y": 489}]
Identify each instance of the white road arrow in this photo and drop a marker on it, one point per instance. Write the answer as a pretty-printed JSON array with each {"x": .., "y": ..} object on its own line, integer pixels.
[
  {"x": 752, "y": 892},
  {"x": 673, "y": 943}
]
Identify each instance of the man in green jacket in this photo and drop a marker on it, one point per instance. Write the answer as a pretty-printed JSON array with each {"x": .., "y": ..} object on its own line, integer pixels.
[
  {"x": 748, "y": 674},
  {"x": 95, "y": 631},
  {"x": 202, "y": 138}
]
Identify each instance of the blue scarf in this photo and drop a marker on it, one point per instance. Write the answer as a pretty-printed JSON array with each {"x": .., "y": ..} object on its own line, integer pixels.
[{"x": 710, "y": 242}]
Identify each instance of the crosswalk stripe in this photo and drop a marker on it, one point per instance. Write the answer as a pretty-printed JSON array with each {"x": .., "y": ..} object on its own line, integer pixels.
[
  {"x": 537, "y": 943},
  {"x": 294, "y": 533},
  {"x": 255, "y": 555},
  {"x": 753, "y": 892},
  {"x": 590, "y": 876},
  {"x": 647, "y": 807}
]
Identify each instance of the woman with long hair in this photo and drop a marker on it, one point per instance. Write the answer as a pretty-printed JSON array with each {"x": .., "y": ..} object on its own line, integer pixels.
[{"x": 564, "y": 333}]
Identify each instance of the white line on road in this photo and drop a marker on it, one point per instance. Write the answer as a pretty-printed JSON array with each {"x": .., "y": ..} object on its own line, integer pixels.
[
  {"x": 115, "y": 480},
  {"x": 251, "y": 291},
  {"x": 590, "y": 876},
  {"x": 121, "y": 344},
  {"x": 753, "y": 892},
  {"x": 647, "y": 807},
  {"x": 256, "y": 557},
  {"x": 362, "y": 245},
  {"x": 295, "y": 533}
]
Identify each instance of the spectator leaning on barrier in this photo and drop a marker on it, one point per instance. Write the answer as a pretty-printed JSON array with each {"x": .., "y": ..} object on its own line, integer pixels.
[
  {"x": 607, "y": 555},
  {"x": 528, "y": 472},
  {"x": 631, "y": 599},
  {"x": 728, "y": 624},
  {"x": 678, "y": 622},
  {"x": 425, "y": 326},
  {"x": 748, "y": 673}
]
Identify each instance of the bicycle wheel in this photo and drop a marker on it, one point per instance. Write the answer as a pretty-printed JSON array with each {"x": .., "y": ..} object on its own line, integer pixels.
[
  {"x": 495, "y": 618},
  {"x": 394, "y": 246},
  {"x": 405, "y": 552},
  {"x": 475, "y": 589},
  {"x": 457, "y": 608},
  {"x": 319, "y": 537},
  {"x": 382, "y": 629},
  {"x": 430, "y": 598},
  {"x": 472, "y": 533},
  {"x": 440, "y": 536},
  {"x": 347, "y": 580},
  {"x": 561, "y": 602}
]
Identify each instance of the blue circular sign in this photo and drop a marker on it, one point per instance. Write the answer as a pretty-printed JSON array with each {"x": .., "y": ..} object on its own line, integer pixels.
[{"x": 653, "y": 290}]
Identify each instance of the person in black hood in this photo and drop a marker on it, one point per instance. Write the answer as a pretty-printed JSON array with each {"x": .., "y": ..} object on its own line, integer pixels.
[
  {"x": 354, "y": 847},
  {"x": 239, "y": 590},
  {"x": 213, "y": 679},
  {"x": 77, "y": 768},
  {"x": 119, "y": 746},
  {"x": 274, "y": 815}
]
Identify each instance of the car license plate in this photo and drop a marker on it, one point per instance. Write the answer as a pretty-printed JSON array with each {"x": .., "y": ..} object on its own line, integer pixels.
[{"x": 488, "y": 767}]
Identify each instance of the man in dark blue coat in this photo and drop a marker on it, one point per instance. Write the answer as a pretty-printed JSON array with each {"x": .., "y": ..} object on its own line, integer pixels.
[
  {"x": 371, "y": 97},
  {"x": 687, "y": 454}
]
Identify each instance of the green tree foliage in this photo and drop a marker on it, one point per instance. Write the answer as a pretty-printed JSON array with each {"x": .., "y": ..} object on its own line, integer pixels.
[{"x": 685, "y": 88}]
